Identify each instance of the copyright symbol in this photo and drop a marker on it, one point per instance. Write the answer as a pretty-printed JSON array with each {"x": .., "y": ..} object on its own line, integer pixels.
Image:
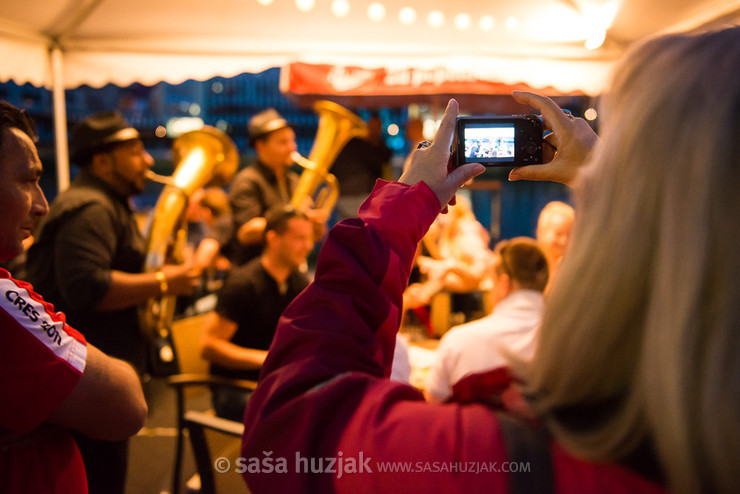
[{"x": 222, "y": 465}]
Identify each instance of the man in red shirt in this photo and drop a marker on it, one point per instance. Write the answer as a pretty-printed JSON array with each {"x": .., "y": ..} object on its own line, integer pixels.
[{"x": 52, "y": 380}]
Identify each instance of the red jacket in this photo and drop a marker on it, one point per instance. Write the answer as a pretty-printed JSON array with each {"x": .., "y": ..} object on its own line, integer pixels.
[{"x": 324, "y": 402}]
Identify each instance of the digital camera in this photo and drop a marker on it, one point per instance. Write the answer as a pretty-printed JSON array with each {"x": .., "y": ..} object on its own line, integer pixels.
[{"x": 514, "y": 140}]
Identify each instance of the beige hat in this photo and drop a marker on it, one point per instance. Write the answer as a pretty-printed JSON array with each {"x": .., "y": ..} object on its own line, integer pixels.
[{"x": 263, "y": 123}]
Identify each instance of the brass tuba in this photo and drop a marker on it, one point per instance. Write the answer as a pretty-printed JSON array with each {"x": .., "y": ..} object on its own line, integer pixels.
[
  {"x": 202, "y": 157},
  {"x": 337, "y": 126}
]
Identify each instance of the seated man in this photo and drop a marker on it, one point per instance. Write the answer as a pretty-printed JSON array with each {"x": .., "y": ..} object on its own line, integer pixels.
[
  {"x": 520, "y": 275},
  {"x": 240, "y": 330}
]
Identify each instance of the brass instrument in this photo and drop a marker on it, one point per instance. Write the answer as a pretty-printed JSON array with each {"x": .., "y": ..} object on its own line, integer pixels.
[
  {"x": 202, "y": 157},
  {"x": 337, "y": 126}
]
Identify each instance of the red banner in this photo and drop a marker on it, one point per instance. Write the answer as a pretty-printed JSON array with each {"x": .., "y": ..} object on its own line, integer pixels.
[{"x": 306, "y": 79}]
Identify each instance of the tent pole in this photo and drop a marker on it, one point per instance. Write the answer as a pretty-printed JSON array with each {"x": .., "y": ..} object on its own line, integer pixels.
[{"x": 60, "y": 119}]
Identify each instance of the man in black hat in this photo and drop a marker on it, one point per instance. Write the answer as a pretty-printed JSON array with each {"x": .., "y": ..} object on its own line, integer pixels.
[
  {"x": 267, "y": 183},
  {"x": 88, "y": 261}
]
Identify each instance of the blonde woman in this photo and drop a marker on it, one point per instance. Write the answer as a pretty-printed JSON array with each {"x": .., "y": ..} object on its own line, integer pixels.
[{"x": 639, "y": 352}]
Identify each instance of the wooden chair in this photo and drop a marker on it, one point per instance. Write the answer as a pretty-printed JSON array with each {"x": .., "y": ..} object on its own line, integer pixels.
[
  {"x": 198, "y": 425},
  {"x": 202, "y": 427}
]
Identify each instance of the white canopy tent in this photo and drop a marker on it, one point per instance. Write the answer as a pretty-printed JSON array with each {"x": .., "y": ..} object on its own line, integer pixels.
[{"x": 65, "y": 43}]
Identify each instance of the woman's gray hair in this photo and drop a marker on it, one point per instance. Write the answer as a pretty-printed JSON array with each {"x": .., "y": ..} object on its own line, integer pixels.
[{"x": 642, "y": 326}]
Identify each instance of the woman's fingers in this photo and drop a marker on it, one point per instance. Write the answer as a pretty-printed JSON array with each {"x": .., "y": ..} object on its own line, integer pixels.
[
  {"x": 445, "y": 133},
  {"x": 553, "y": 116}
]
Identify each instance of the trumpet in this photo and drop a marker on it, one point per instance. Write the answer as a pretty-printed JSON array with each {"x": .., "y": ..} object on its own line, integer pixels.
[
  {"x": 157, "y": 178},
  {"x": 337, "y": 126},
  {"x": 203, "y": 157}
]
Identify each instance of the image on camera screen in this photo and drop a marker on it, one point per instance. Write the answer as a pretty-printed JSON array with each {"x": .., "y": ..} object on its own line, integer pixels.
[{"x": 489, "y": 142}]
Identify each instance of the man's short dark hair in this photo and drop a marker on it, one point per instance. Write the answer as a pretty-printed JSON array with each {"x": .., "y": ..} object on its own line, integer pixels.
[
  {"x": 13, "y": 118},
  {"x": 278, "y": 218},
  {"x": 523, "y": 260}
]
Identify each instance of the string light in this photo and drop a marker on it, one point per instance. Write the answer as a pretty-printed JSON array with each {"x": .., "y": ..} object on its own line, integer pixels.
[
  {"x": 436, "y": 18},
  {"x": 407, "y": 16},
  {"x": 486, "y": 23},
  {"x": 340, "y": 8},
  {"x": 305, "y": 5},
  {"x": 462, "y": 21},
  {"x": 591, "y": 23},
  {"x": 376, "y": 12}
]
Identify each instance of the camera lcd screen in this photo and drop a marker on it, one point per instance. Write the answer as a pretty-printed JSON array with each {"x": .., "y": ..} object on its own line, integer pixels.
[{"x": 489, "y": 142}]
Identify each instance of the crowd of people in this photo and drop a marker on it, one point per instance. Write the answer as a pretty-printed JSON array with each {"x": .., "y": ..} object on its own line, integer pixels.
[
  {"x": 633, "y": 383},
  {"x": 604, "y": 359},
  {"x": 489, "y": 148}
]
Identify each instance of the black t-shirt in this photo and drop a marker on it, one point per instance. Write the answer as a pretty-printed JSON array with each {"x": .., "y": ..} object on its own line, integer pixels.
[{"x": 252, "y": 299}]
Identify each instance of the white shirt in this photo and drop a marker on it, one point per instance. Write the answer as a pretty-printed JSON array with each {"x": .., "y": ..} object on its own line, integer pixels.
[
  {"x": 401, "y": 369},
  {"x": 476, "y": 346}
]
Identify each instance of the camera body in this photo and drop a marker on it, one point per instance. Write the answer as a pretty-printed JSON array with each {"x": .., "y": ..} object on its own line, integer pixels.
[{"x": 514, "y": 140}]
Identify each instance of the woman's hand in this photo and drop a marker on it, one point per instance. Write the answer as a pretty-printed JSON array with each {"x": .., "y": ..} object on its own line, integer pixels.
[
  {"x": 566, "y": 150},
  {"x": 432, "y": 165}
]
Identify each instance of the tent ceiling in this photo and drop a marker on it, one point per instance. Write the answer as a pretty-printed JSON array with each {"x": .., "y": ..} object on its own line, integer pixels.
[{"x": 173, "y": 40}]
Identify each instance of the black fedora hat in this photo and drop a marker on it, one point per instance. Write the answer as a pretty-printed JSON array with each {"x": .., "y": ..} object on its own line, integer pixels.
[
  {"x": 265, "y": 122},
  {"x": 98, "y": 131}
]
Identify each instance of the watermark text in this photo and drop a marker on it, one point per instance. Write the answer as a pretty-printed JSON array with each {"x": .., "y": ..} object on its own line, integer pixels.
[{"x": 341, "y": 465}]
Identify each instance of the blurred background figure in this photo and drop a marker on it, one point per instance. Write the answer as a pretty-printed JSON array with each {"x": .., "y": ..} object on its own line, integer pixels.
[
  {"x": 414, "y": 132},
  {"x": 209, "y": 227},
  {"x": 267, "y": 183},
  {"x": 88, "y": 259},
  {"x": 455, "y": 257},
  {"x": 553, "y": 232},
  {"x": 358, "y": 166},
  {"x": 457, "y": 249}
]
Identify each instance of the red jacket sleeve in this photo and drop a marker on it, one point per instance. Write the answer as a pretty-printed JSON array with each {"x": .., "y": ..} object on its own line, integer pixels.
[
  {"x": 325, "y": 418},
  {"x": 323, "y": 397},
  {"x": 41, "y": 357}
]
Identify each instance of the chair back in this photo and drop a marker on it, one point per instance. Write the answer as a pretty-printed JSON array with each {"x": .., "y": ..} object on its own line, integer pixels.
[{"x": 211, "y": 437}]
